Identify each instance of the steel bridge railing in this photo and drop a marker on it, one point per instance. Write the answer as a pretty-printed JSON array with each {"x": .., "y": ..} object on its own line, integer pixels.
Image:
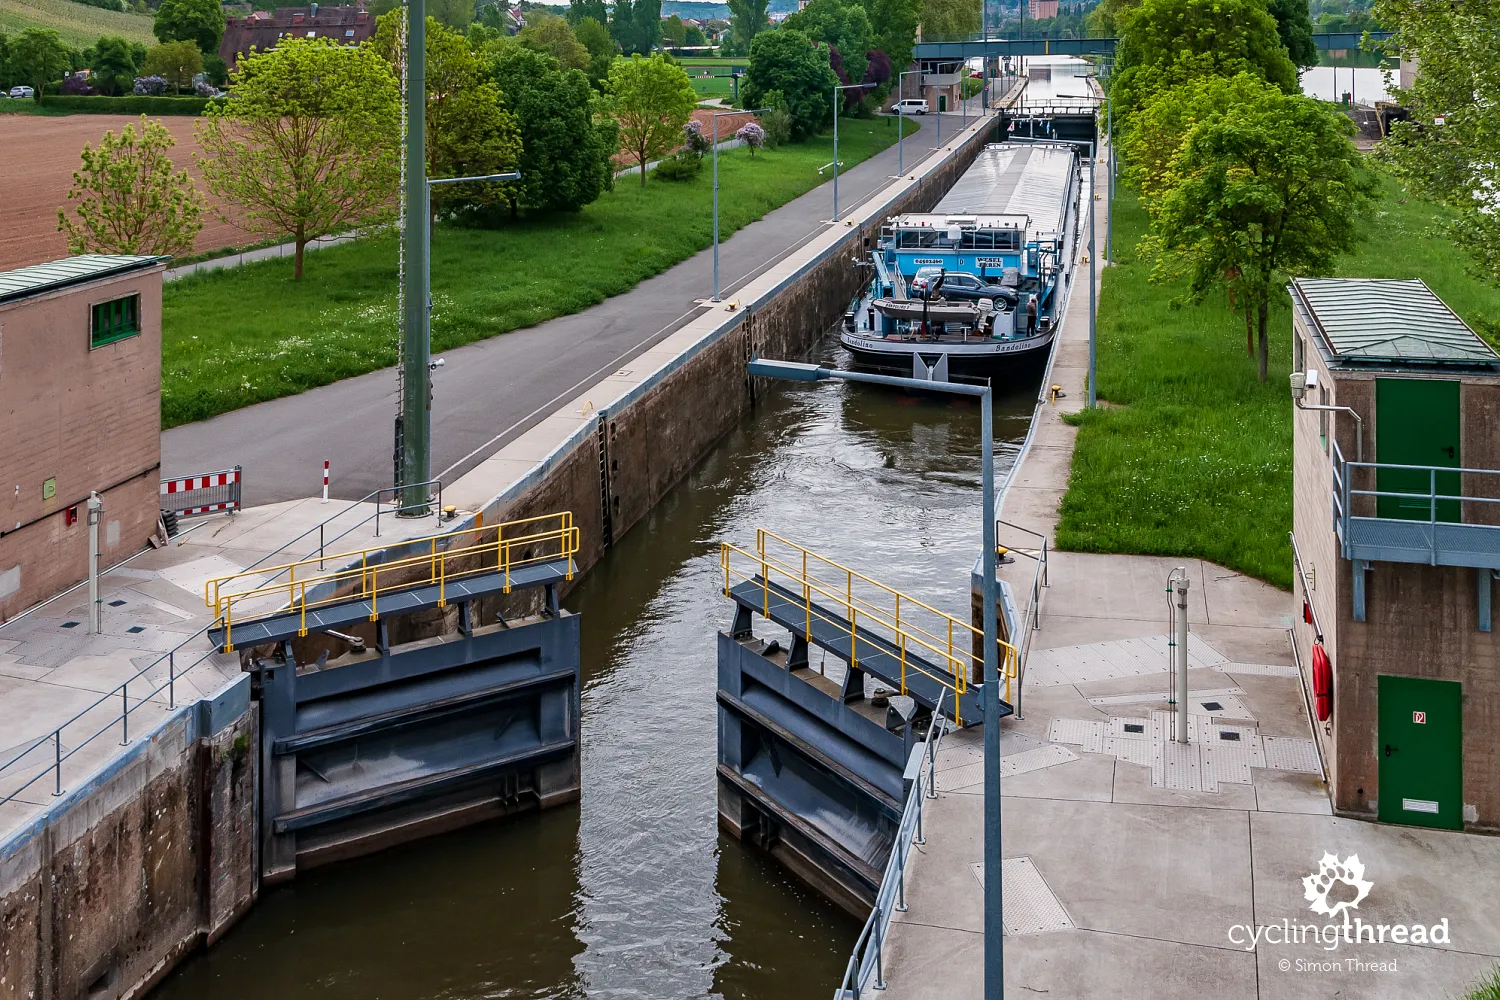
[
  {"x": 858, "y": 603},
  {"x": 868, "y": 958},
  {"x": 1440, "y": 504},
  {"x": 524, "y": 542}
]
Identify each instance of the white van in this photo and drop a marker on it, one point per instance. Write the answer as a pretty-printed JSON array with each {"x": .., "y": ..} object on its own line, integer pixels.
[{"x": 911, "y": 106}]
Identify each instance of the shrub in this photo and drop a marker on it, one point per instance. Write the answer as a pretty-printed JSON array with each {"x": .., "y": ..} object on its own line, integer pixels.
[
  {"x": 777, "y": 120},
  {"x": 205, "y": 89},
  {"x": 150, "y": 86},
  {"x": 752, "y": 135},
  {"x": 74, "y": 86},
  {"x": 98, "y": 104},
  {"x": 682, "y": 167},
  {"x": 697, "y": 143}
]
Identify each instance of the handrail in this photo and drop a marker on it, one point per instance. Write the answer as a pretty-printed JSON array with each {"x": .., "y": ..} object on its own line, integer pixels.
[
  {"x": 123, "y": 719},
  {"x": 861, "y": 614},
  {"x": 1031, "y": 621},
  {"x": 869, "y": 948},
  {"x": 488, "y": 557}
]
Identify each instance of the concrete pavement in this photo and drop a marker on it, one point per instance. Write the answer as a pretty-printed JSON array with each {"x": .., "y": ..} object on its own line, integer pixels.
[{"x": 491, "y": 391}]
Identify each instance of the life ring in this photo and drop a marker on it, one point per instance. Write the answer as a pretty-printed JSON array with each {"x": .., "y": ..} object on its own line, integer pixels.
[{"x": 1322, "y": 681}]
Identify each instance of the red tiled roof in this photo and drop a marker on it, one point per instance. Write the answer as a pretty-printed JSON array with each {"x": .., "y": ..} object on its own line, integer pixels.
[{"x": 261, "y": 29}]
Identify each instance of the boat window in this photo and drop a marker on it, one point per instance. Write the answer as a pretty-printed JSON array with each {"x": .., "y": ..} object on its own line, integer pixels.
[
  {"x": 917, "y": 239},
  {"x": 992, "y": 239}
]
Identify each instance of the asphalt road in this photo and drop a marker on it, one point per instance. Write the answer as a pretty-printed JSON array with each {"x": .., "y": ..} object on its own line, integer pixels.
[{"x": 492, "y": 391}]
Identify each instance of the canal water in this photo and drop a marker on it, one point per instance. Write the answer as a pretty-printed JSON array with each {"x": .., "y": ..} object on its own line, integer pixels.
[{"x": 634, "y": 892}]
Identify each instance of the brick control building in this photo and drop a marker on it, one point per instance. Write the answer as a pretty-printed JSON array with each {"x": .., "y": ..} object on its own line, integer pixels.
[
  {"x": 1397, "y": 543},
  {"x": 80, "y": 410}
]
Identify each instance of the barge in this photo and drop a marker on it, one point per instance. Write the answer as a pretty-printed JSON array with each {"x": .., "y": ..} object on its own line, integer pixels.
[{"x": 974, "y": 289}]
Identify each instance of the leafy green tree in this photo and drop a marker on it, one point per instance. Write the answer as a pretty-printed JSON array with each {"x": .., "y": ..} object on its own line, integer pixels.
[
  {"x": 453, "y": 13},
  {"x": 306, "y": 144},
  {"x": 622, "y": 26},
  {"x": 38, "y": 56},
  {"x": 469, "y": 132},
  {"x": 1269, "y": 187},
  {"x": 175, "y": 62},
  {"x": 1167, "y": 42},
  {"x": 128, "y": 197},
  {"x": 216, "y": 70},
  {"x": 949, "y": 18},
  {"x": 748, "y": 19},
  {"x": 578, "y": 10},
  {"x": 1294, "y": 24},
  {"x": 197, "y": 21},
  {"x": 553, "y": 36},
  {"x": 844, "y": 27},
  {"x": 112, "y": 64},
  {"x": 567, "y": 143},
  {"x": 786, "y": 61},
  {"x": 1450, "y": 149},
  {"x": 1150, "y": 146},
  {"x": 673, "y": 31},
  {"x": 895, "y": 28},
  {"x": 594, "y": 36},
  {"x": 693, "y": 35},
  {"x": 647, "y": 25},
  {"x": 652, "y": 100}
]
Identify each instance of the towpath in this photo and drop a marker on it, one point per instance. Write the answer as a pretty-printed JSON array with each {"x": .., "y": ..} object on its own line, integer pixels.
[{"x": 489, "y": 392}]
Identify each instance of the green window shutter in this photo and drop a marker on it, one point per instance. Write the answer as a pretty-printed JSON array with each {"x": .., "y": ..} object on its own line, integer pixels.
[{"x": 115, "y": 320}]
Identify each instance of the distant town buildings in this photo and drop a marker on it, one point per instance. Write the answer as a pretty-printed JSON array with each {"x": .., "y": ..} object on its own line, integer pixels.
[
  {"x": 262, "y": 29},
  {"x": 1041, "y": 9}
]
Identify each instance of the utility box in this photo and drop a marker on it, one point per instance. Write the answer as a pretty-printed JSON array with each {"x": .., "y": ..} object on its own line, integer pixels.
[
  {"x": 80, "y": 411},
  {"x": 1396, "y": 485}
]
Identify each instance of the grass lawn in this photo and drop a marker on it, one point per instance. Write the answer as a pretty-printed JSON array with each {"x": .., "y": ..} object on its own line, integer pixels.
[
  {"x": 1193, "y": 455},
  {"x": 712, "y": 86},
  {"x": 243, "y": 335},
  {"x": 79, "y": 24}
]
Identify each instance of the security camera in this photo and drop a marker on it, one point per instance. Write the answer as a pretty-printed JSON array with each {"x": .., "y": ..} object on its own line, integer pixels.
[{"x": 1299, "y": 385}]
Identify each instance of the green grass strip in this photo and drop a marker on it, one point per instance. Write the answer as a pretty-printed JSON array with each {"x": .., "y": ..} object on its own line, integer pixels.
[
  {"x": 244, "y": 335},
  {"x": 1191, "y": 455}
]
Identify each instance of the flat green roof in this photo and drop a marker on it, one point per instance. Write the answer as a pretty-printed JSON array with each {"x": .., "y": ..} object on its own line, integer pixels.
[
  {"x": 1389, "y": 321},
  {"x": 24, "y": 282}
]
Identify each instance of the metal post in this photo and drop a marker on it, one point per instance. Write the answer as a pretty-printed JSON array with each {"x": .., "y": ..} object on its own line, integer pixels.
[
  {"x": 835, "y": 154},
  {"x": 96, "y": 509},
  {"x": 172, "y": 679},
  {"x": 416, "y": 414},
  {"x": 1182, "y": 658},
  {"x": 1109, "y": 226},
  {"x": 124, "y": 714},
  {"x": 1093, "y": 307},
  {"x": 716, "y": 207},
  {"x": 57, "y": 761},
  {"x": 994, "y": 922}
]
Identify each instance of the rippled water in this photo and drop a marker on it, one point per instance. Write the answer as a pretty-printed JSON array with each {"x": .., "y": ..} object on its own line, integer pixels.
[{"x": 634, "y": 892}]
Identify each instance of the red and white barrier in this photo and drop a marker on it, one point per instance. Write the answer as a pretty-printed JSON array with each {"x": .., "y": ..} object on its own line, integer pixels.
[
  {"x": 202, "y": 494},
  {"x": 325, "y": 480}
]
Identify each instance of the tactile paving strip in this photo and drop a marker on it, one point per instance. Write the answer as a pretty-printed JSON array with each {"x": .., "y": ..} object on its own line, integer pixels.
[
  {"x": 1102, "y": 661},
  {"x": 1078, "y": 732},
  {"x": 1291, "y": 753},
  {"x": 1048, "y": 755},
  {"x": 1134, "y": 749},
  {"x": 1176, "y": 766},
  {"x": 966, "y": 776},
  {"x": 1263, "y": 669},
  {"x": 1030, "y": 905}
]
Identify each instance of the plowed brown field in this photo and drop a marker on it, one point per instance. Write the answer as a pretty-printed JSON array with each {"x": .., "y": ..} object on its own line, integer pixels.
[{"x": 37, "y": 158}]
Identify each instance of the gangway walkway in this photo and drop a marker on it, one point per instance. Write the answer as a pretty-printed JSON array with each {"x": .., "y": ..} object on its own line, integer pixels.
[
  {"x": 271, "y": 604},
  {"x": 908, "y": 645}
]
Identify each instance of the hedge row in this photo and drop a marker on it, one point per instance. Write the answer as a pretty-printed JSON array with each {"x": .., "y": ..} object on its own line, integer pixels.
[{"x": 128, "y": 105}]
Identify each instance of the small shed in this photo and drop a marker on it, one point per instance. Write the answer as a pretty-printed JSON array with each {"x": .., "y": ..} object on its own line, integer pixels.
[{"x": 1396, "y": 486}]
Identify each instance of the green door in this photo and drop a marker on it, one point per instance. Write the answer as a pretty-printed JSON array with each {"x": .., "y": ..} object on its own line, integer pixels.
[
  {"x": 1416, "y": 423},
  {"x": 942, "y": 102},
  {"x": 1421, "y": 752}
]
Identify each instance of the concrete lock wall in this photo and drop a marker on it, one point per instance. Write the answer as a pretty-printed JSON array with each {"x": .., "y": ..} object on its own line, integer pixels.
[{"x": 102, "y": 894}]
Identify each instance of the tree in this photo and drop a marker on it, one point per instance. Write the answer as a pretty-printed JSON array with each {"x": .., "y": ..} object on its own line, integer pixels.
[
  {"x": 469, "y": 132},
  {"x": 1294, "y": 25},
  {"x": 1269, "y": 187},
  {"x": 175, "y": 62},
  {"x": 578, "y": 10},
  {"x": 112, "y": 64},
  {"x": 622, "y": 26},
  {"x": 1457, "y": 162},
  {"x": 197, "y": 21},
  {"x": 1167, "y": 42},
  {"x": 840, "y": 27},
  {"x": 306, "y": 144},
  {"x": 553, "y": 36},
  {"x": 453, "y": 13},
  {"x": 1149, "y": 147},
  {"x": 949, "y": 18},
  {"x": 594, "y": 36},
  {"x": 747, "y": 19},
  {"x": 567, "y": 143},
  {"x": 647, "y": 25},
  {"x": 786, "y": 61},
  {"x": 652, "y": 100},
  {"x": 895, "y": 28},
  {"x": 693, "y": 35},
  {"x": 129, "y": 199},
  {"x": 752, "y": 135},
  {"x": 38, "y": 56}
]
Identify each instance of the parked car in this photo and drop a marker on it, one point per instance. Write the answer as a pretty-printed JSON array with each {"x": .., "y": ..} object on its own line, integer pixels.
[
  {"x": 20, "y": 92},
  {"x": 911, "y": 106},
  {"x": 957, "y": 285}
]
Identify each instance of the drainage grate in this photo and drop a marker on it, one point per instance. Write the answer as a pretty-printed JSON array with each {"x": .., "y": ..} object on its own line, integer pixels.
[
  {"x": 69, "y": 625},
  {"x": 136, "y": 628},
  {"x": 1135, "y": 727},
  {"x": 117, "y": 604},
  {"x": 1213, "y": 706},
  {"x": 1229, "y": 735}
]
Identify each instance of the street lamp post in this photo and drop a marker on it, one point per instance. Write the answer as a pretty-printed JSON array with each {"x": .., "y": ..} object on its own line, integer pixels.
[
  {"x": 836, "y": 89},
  {"x": 994, "y": 924},
  {"x": 717, "y": 115},
  {"x": 900, "y": 121}
]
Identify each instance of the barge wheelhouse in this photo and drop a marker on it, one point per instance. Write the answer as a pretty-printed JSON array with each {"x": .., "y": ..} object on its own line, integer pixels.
[{"x": 975, "y": 288}]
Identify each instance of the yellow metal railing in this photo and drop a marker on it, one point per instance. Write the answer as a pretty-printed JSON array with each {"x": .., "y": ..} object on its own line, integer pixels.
[
  {"x": 499, "y": 548},
  {"x": 828, "y": 588}
]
